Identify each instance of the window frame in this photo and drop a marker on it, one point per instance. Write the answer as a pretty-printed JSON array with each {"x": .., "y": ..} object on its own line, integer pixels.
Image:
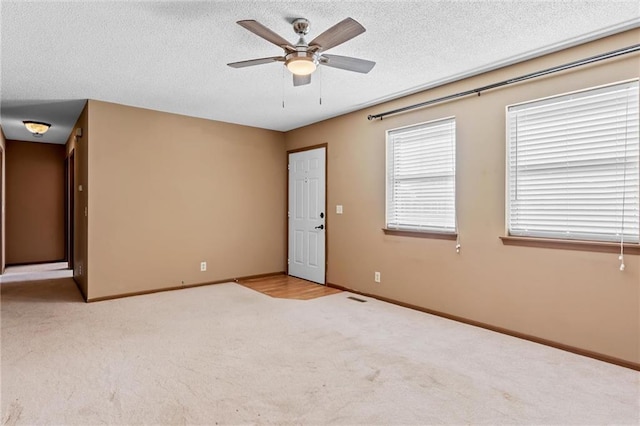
[
  {"x": 558, "y": 242},
  {"x": 416, "y": 231}
]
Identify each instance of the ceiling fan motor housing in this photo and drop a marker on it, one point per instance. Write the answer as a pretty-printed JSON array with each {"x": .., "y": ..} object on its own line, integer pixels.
[{"x": 302, "y": 61}]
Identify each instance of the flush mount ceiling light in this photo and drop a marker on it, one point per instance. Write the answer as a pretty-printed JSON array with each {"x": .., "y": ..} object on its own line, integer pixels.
[{"x": 38, "y": 128}]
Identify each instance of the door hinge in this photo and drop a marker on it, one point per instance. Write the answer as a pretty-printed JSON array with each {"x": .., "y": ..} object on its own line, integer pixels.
[
  {"x": 288, "y": 262},
  {"x": 288, "y": 214},
  {"x": 288, "y": 166}
]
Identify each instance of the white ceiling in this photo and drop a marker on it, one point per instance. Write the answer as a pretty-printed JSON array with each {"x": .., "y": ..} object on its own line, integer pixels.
[{"x": 172, "y": 56}]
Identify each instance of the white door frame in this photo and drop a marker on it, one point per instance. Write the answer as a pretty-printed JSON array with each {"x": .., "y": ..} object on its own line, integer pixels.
[{"x": 326, "y": 218}]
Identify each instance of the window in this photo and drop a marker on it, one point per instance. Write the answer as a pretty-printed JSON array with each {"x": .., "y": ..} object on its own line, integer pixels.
[
  {"x": 573, "y": 166},
  {"x": 421, "y": 184}
]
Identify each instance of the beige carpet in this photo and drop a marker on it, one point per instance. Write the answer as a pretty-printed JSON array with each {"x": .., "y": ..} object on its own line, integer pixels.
[{"x": 225, "y": 354}]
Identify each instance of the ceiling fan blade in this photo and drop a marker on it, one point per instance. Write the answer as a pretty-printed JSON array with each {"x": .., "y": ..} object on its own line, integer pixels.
[
  {"x": 342, "y": 31},
  {"x": 347, "y": 63},
  {"x": 252, "y": 62},
  {"x": 260, "y": 30},
  {"x": 301, "y": 80}
]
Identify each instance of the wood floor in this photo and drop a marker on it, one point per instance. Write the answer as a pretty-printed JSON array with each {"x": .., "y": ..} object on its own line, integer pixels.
[{"x": 286, "y": 287}]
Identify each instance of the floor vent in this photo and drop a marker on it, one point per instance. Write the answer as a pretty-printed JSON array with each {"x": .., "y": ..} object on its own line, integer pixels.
[{"x": 356, "y": 299}]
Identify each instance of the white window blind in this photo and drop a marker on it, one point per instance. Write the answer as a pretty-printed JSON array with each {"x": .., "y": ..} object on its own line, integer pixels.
[
  {"x": 421, "y": 167},
  {"x": 573, "y": 166}
]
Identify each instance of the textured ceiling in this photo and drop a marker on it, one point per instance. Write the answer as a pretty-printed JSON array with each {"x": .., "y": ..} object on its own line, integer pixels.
[{"x": 172, "y": 56}]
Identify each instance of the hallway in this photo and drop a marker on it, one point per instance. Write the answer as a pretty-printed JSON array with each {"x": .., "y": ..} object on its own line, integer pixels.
[{"x": 36, "y": 272}]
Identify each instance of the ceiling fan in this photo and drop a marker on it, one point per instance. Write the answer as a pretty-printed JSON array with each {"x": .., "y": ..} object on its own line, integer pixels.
[{"x": 303, "y": 58}]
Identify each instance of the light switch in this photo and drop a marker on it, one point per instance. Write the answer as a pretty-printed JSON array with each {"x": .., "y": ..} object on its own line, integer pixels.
[{"x": 338, "y": 209}]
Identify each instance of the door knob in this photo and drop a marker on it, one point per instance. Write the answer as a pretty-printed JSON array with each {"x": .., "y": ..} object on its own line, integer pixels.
[{"x": 320, "y": 227}]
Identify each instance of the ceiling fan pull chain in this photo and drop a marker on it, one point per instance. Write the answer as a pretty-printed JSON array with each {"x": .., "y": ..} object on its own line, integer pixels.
[
  {"x": 282, "y": 87},
  {"x": 320, "y": 83}
]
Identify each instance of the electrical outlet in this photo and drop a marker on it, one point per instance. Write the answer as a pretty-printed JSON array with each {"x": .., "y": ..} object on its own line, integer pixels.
[
  {"x": 376, "y": 277},
  {"x": 203, "y": 266},
  {"x": 338, "y": 209}
]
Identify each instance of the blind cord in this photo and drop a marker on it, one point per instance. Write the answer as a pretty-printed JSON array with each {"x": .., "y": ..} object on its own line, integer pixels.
[
  {"x": 516, "y": 155},
  {"x": 624, "y": 184},
  {"x": 455, "y": 195}
]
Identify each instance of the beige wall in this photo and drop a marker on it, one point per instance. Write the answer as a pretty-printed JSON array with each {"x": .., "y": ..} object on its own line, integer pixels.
[
  {"x": 169, "y": 191},
  {"x": 79, "y": 147},
  {"x": 35, "y": 202},
  {"x": 2, "y": 200},
  {"x": 574, "y": 298}
]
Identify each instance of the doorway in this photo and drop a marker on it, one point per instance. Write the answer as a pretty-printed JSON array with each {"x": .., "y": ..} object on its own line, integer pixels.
[
  {"x": 307, "y": 221},
  {"x": 69, "y": 206},
  {"x": 1, "y": 211}
]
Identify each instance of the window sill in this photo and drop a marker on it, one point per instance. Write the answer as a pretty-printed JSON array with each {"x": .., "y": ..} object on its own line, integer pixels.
[
  {"x": 597, "y": 246},
  {"x": 420, "y": 234}
]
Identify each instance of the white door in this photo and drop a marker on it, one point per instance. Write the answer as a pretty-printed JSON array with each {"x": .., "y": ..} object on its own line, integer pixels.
[{"x": 307, "y": 186}]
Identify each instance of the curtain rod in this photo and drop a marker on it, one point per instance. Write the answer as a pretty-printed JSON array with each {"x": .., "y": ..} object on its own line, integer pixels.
[{"x": 592, "y": 59}]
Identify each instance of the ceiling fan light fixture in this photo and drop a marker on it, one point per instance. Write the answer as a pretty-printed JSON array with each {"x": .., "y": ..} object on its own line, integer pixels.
[
  {"x": 301, "y": 66},
  {"x": 38, "y": 128},
  {"x": 301, "y": 63}
]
